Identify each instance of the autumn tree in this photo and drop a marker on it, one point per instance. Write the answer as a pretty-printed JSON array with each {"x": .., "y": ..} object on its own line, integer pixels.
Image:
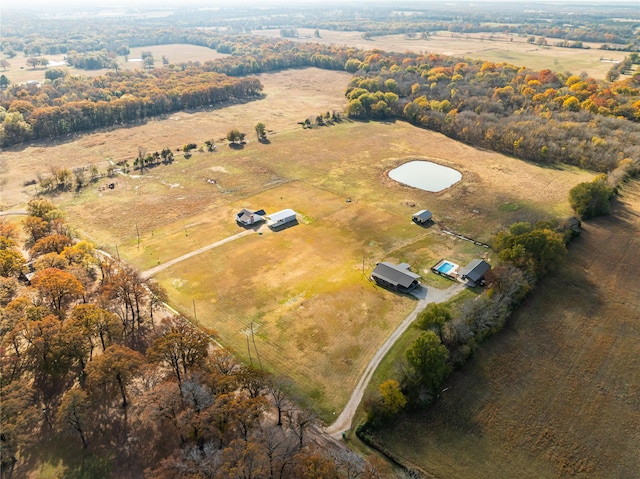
[
  {"x": 181, "y": 347},
  {"x": 19, "y": 417},
  {"x": 11, "y": 263},
  {"x": 393, "y": 400},
  {"x": 57, "y": 288},
  {"x": 112, "y": 372}
]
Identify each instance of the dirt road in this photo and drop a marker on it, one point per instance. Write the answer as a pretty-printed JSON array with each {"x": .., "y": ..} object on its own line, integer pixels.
[
  {"x": 425, "y": 296},
  {"x": 150, "y": 272}
]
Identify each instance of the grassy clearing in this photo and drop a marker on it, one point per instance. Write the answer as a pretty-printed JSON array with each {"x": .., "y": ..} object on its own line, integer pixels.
[
  {"x": 20, "y": 72},
  {"x": 556, "y": 393},
  {"x": 495, "y": 47},
  {"x": 316, "y": 317}
]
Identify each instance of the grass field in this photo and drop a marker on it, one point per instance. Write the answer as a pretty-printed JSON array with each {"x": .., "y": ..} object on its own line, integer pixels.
[
  {"x": 20, "y": 72},
  {"x": 556, "y": 394},
  {"x": 496, "y": 47},
  {"x": 315, "y": 315}
]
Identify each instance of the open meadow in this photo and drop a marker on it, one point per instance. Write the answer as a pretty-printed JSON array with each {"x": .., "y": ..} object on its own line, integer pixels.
[
  {"x": 296, "y": 301},
  {"x": 496, "y": 47},
  {"x": 556, "y": 394},
  {"x": 19, "y": 71}
]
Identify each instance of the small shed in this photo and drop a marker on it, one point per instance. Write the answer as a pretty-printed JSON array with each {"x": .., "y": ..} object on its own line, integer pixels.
[
  {"x": 422, "y": 217},
  {"x": 395, "y": 276},
  {"x": 281, "y": 218},
  {"x": 247, "y": 217},
  {"x": 474, "y": 272}
]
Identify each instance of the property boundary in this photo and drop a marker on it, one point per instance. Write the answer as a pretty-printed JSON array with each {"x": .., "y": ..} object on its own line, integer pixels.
[{"x": 466, "y": 238}]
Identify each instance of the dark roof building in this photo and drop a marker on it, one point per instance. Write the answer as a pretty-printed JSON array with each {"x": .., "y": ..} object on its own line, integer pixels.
[
  {"x": 474, "y": 271},
  {"x": 422, "y": 216},
  {"x": 247, "y": 217},
  {"x": 394, "y": 276}
]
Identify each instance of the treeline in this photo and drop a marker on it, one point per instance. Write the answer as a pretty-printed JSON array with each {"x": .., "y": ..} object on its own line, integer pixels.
[
  {"x": 90, "y": 359},
  {"x": 540, "y": 116},
  {"x": 71, "y": 104}
]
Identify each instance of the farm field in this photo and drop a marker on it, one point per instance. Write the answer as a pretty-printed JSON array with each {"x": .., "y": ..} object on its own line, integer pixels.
[
  {"x": 495, "y": 47},
  {"x": 315, "y": 315},
  {"x": 20, "y": 72},
  {"x": 556, "y": 393}
]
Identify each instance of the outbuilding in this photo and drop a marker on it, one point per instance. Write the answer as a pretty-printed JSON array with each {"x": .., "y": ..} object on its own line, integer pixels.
[
  {"x": 247, "y": 217},
  {"x": 422, "y": 217},
  {"x": 474, "y": 272},
  {"x": 282, "y": 218},
  {"x": 395, "y": 276}
]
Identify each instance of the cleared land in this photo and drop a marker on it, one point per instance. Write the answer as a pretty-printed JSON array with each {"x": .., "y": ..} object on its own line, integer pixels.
[
  {"x": 497, "y": 47},
  {"x": 20, "y": 72},
  {"x": 556, "y": 394},
  {"x": 315, "y": 315}
]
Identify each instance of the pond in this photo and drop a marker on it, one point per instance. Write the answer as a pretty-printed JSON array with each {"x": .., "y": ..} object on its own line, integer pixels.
[{"x": 426, "y": 175}]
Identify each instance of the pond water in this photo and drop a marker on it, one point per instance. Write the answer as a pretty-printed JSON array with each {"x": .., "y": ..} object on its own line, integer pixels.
[{"x": 426, "y": 175}]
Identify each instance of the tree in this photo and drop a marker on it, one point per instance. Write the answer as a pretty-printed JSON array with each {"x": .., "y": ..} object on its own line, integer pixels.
[
  {"x": 591, "y": 199},
  {"x": 4, "y": 63},
  {"x": 261, "y": 130},
  {"x": 4, "y": 81},
  {"x": 57, "y": 287},
  {"x": 234, "y": 135},
  {"x": 114, "y": 370},
  {"x": 392, "y": 398},
  {"x": 435, "y": 316},
  {"x": 181, "y": 347},
  {"x": 73, "y": 414},
  {"x": 427, "y": 357},
  {"x": 18, "y": 418},
  {"x": 11, "y": 262},
  {"x": 33, "y": 62}
]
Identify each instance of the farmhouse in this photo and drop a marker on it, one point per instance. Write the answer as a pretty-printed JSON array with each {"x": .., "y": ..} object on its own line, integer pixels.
[
  {"x": 394, "y": 276},
  {"x": 474, "y": 271},
  {"x": 282, "y": 218},
  {"x": 247, "y": 217},
  {"x": 422, "y": 217}
]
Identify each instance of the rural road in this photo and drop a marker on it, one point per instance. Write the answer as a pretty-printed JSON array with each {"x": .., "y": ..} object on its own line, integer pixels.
[
  {"x": 156, "y": 269},
  {"x": 425, "y": 297}
]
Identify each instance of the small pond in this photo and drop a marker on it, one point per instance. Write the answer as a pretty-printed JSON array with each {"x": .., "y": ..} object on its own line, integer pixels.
[{"x": 425, "y": 175}]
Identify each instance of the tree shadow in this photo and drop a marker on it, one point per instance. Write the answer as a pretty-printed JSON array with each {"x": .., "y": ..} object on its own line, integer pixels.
[
  {"x": 236, "y": 146},
  {"x": 264, "y": 141}
]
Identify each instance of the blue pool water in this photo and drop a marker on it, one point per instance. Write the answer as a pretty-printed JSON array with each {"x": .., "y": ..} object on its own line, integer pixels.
[{"x": 445, "y": 267}]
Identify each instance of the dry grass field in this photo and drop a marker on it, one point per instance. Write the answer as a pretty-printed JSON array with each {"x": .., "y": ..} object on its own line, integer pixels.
[
  {"x": 496, "y": 47},
  {"x": 315, "y": 315},
  {"x": 557, "y": 393},
  {"x": 20, "y": 72}
]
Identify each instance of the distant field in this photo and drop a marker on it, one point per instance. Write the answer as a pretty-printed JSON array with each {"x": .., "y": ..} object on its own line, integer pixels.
[
  {"x": 496, "y": 48},
  {"x": 20, "y": 72},
  {"x": 316, "y": 317},
  {"x": 557, "y": 393}
]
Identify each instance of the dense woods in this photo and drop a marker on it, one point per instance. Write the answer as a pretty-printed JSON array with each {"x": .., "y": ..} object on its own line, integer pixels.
[
  {"x": 85, "y": 361},
  {"x": 540, "y": 116},
  {"x": 71, "y": 104}
]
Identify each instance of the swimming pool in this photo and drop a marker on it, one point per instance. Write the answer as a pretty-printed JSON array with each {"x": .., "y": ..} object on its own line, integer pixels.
[{"x": 445, "y": 267}]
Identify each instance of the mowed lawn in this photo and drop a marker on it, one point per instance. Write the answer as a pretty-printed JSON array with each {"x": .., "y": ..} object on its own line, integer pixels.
[{"x": 556, "y": 394}]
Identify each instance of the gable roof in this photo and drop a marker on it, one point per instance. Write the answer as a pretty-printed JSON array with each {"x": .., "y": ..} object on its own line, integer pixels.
[
  {"x": 475, "y": 270},
  {"x": 395, "y": 274},
  {"x": 247, "y": 215},
  {"x": 423, "y": 215},
  {"x": 282, "y": 215}
]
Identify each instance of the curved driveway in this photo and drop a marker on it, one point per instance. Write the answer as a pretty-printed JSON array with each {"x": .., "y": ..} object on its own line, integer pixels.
[{"x": 425, "y": 296}]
